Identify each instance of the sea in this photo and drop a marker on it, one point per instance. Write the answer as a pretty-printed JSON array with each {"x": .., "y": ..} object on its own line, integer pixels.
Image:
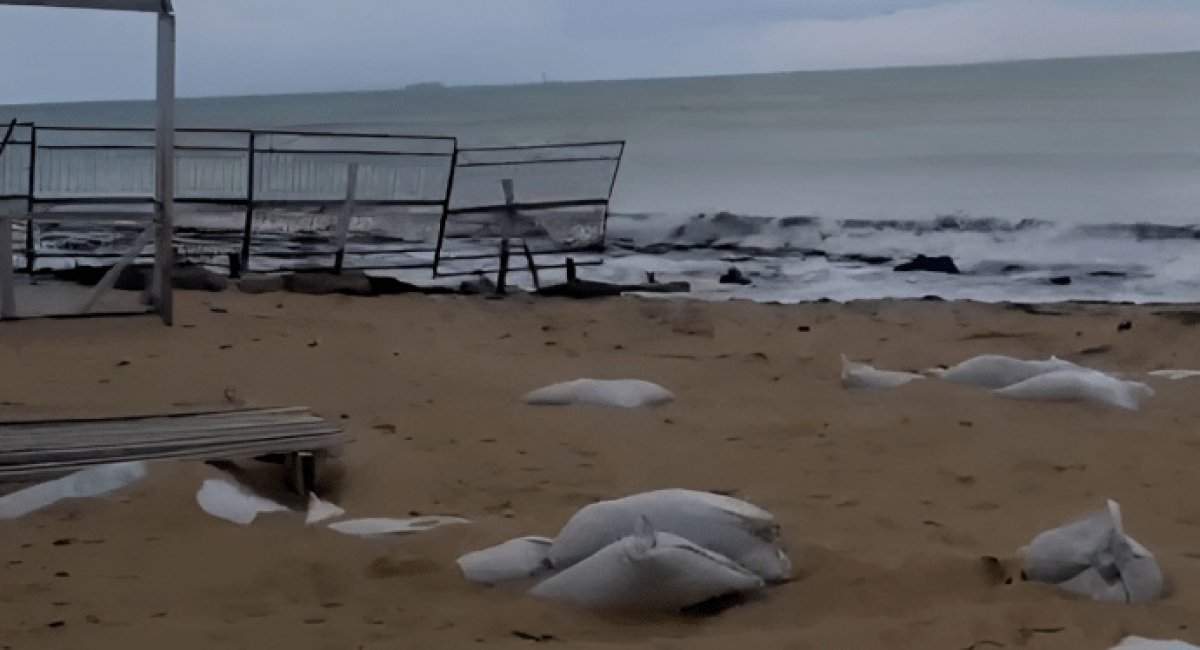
[{"x": 1050, "y": 180}]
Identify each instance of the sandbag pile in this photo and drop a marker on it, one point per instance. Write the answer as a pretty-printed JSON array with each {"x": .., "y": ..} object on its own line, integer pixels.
[
  {"x": 1051, "y": 380},
  {"x": 1094, "y": 558},
  {"x": 656, "y": 551}
]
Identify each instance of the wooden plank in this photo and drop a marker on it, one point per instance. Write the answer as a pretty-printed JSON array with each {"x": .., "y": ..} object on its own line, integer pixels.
[
  {"x": 110, "y": 277},
  {"x": 48, "y": 443},
  {"x": 150, "y": 419},
  {"x": 39, "y": 447},
  {"x": 238, "y": 451},
  {"x": 20, "y": 458}
]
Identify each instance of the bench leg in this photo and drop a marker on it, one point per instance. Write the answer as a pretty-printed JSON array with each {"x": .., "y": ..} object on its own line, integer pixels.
[{"x": 302, "y": 471}]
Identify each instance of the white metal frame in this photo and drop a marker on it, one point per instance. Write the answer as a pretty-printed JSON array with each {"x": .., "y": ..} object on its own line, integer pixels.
[{"x": 164, "y": 154}]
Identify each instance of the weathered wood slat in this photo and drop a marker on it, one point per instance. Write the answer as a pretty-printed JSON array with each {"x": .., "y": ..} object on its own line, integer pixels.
[
  {"x": 166, "y": 430},
  {"x": 10, "y": 457},
  {"x": 60, "y": 445},
  {"x": 165, "y": 417}
]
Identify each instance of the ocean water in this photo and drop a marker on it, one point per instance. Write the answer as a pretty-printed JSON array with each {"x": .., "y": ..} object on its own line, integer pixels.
[{"x": 1084, "y": 168}]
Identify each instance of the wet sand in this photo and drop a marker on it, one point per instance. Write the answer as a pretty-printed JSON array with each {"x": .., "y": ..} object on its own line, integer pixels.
[{"x": 888, "y": 500}]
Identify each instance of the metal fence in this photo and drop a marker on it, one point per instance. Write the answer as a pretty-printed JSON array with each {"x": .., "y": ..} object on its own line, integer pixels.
[{"x": 270, "y": 200}]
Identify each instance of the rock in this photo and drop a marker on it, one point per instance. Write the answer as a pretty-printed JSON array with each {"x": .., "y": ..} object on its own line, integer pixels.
[
  {"x": 872, "y": 260},
  {"x": 936, "y": 264},
  {"x": 657, "y": 287},
  {"x": 133, "y": 278},
  {"x": 734, "y": 276},
  {"x": 260, "y": 283},
  {"x": 391, "y": 286},
  {"x": 1060, "y": 280},
  {"x": 184, "y": 278},
  {"x": 321, "y": 283},
  {"x": 197, "y": 278},
  {"x": 88, "y": 276},
  {"x": 480, "y": 286},
  {"x": 1125, "y": 326},
  {"x": 581, "y": 289}
]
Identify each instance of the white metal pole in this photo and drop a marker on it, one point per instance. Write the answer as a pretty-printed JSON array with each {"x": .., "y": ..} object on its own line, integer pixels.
[{"x": 165, "y": 167}]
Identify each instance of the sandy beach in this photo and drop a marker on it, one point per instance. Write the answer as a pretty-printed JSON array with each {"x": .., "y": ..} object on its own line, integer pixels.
[{"x": 888, "y": 500}]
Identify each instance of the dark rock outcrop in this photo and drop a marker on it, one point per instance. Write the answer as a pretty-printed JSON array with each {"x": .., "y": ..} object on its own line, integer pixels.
[
  {"x": 734, "y": 276},
  {"x": 935, "y": 264},
  {"x": 320, "y": 283}
]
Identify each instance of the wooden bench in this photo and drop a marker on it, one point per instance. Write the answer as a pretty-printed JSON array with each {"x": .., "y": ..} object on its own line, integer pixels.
[{"x": 38, "y": 447}]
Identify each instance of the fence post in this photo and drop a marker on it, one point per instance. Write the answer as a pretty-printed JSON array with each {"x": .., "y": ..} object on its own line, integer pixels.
[
  {"x": 29, "y": 238},
  {"x": 8, "y": 300},
  {"x": 248, "y": 227},
  {"x": 343, "y": 224},
  {"x": 506, "y": 226}
]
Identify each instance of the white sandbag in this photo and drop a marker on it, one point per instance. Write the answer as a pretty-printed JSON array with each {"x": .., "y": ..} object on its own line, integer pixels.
[
  {"x": 232, "y": 502},
  {"x": 623, "y": 393},
  {"x": 319, "y": 510},
  {"x": 997, "y": 371},
  {"x": 382, "y": 526},
  {"x": 91, "y": 482},
  {"x": 516, "y": 559},
  {"x": 861, "y": 375},
  {"x": 1139, "y": 643},
  {"x": 1174, "y": 374},
  {"x": 738, "y": 530},
  {"x": 1093, "y": 557},
  {"x": 648, "y": 571},
  {"x": 1080, "y": 385}
]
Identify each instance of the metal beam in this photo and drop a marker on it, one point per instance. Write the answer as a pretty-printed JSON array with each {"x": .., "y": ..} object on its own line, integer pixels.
[
  {"x": 152, "y": 6},
  {"x": 164, "y": 154}
]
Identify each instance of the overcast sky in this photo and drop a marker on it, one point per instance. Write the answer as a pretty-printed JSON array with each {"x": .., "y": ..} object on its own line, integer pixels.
[{"x": 271, "y": 46}]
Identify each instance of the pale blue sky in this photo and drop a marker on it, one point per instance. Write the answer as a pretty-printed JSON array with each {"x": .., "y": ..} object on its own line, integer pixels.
[{"x": 272, "y": 46}]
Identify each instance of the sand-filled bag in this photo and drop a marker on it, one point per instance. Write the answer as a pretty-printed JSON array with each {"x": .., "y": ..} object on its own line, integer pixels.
[
  {"x": 372, "y": 526},
  {"x": 861, "y": 375},
  {"x": 516, "y": 559},
  {"x": 91, "y": 482},
  {"x": 621, "y": 393},
  {"x": 1080, "y": 386},
  {"x": 1140, "y": 643},
  {"x": 998, "y": 371},
  {"x": 646, "y": 572},
  {"x": 1093, "y": 557},
  {"x": 740, "y": 531},
  {"x": 233, "y": 502}
]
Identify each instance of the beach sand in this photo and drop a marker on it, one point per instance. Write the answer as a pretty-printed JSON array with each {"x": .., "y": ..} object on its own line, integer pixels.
[{"x": 888, "y": 500}]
